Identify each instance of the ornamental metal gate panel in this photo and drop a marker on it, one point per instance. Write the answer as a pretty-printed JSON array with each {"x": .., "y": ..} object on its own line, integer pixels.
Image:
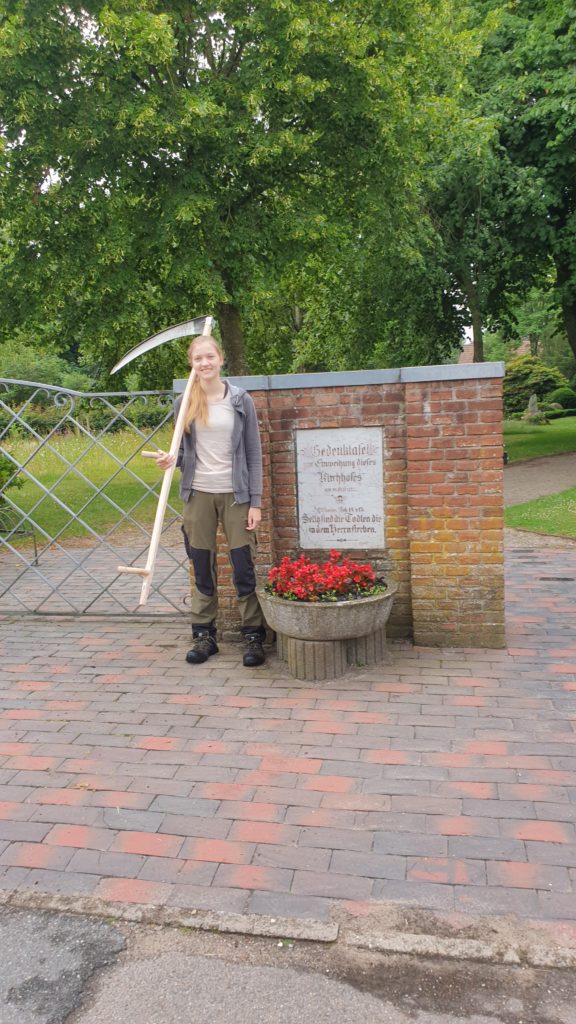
[{"x": 77, "y": 499}]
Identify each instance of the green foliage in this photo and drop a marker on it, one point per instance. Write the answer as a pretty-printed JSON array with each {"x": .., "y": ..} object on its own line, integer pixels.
[
  {"x": 166, "y": 159},
  {"x": 351, "y": 312},
  {"x": 7, "y": 477},
  {"x": 102, "y": 470},
  {"x": 46, "y": 418},
  {"x": 504, "y": 203},
  {"x": 530, "y": 90},
  {"x": 555, "y": 414},
  {"x": 524, "y": 441},
  {"x": 553, "y": 515},
  {"x": 535, "y": 318},
  {"x": 564, "y": 396},
  {"x": 537, "y": 419},
  {"x": 526, "y": 376},
  {"x": 499, "y": 348},
  {"x": 23, "y": 362}
]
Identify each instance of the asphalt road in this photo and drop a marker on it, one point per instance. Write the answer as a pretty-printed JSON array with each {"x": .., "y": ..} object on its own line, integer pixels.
[
  {"x": 58, "y": 967},
  {"x": 46, "y": 961}
]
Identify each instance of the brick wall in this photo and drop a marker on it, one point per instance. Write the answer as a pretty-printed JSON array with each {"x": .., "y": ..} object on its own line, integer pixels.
[
  {"x": 455, "y": 512},
  {"x": 442, "y": 454}
]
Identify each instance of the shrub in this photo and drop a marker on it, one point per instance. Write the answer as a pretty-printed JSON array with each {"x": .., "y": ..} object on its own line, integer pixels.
[
  {"x": 538, "y": 419},
  {"x": 7, "y": 479},
  {"x": 22, "y": 362},
  {"x": 95, "y": 418},
  {"x": 564, "y": 396},
  {"x": 7, "y": 469},
  {"x": 526, "y": 376},
  {"x": 557, "y": 414}
]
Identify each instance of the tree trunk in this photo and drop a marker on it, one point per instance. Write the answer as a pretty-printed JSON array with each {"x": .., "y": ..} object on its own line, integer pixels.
[
  {"x": 477, "y": 333},
  {"x": 568, "y": 301},
  {"x": 232, "y": 338},
  {"x": 569, "y": 313},
  {"x": 471, "y": 294}
]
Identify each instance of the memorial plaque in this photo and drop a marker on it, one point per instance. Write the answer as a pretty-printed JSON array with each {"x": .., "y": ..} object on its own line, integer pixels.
[{"x": 340, "y": 488}]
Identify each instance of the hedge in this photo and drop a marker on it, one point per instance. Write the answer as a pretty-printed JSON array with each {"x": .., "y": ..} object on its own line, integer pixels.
[{"x": 94, "y": 418}]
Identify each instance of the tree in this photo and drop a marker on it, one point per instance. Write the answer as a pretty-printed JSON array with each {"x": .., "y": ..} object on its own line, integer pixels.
[
  {"x": 489, "y": 208},
  {"x": 165, "y": 159},
  {"x": 540, "y": 131},
  {"x": 524, "y": 215},
  {"x": 482, "y": 207},
  {"x": 527, "y": 376}
]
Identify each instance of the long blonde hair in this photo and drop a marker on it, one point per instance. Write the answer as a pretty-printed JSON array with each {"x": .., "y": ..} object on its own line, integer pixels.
[{"x": 198, "y": 404}]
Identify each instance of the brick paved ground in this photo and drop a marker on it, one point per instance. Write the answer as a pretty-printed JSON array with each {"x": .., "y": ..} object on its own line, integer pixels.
[{"x": 443, "y": 779}]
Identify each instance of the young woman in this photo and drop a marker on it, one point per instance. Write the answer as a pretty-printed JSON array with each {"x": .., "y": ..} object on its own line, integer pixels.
[{"x": 221, "y": 462}]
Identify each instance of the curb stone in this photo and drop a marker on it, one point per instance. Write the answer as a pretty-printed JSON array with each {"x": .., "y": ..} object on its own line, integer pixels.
[
  {"x": 530, "y": 955},
  {"x": 199, "y": 920},
  {"x": 512, "y": 946}
]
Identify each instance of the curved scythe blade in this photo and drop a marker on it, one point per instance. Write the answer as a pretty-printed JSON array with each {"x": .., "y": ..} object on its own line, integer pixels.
[{"x": 183, "y": 330}]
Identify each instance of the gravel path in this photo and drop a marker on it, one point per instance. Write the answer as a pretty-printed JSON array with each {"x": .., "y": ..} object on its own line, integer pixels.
[{"x": 534, "y": 478}]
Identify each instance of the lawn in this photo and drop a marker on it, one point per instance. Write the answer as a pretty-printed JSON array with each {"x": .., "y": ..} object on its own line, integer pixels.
[
  {"x": 100, "y": 470},
  {"x": 554, "y": 514},
  {"x": 526, "y": 441}
]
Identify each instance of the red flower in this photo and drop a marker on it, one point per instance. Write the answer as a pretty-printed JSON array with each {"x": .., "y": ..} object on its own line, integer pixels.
[{"x": 302, "y": 580}]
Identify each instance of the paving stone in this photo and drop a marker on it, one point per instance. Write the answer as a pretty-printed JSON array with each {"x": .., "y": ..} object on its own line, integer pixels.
[
  {"x": 68, "y": 883},
  {"x": 499, "y": 900},
  {"x": 337, "y": 838},
  {"x": 416, "y": 894},
  {"x": 254, "y": 876},
  {"x": 552, "y": 853},
  {"x": 368, "y": 865},
  {"x": 25, "y": 831},
  {"x": 117, "y": 865},
  {"x": 454, "y": 766},
  {"x": 184, "y": 805},
  {"x": 196, "y": 897},
  {"x": 68, "y": 815},
  {"x": 292, "y": 857},
  {"x": 529, "y": 876},
  {"x": 272, "y": 904},
  {"x": 555, "y": 906},
  {"x": 409, "y": 844},
  {"x": 331, "y": 885},
  {"x": 486, "y": 849}
]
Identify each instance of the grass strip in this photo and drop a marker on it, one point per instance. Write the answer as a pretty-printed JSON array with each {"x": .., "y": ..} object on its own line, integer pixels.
[
  {"x": 555, "y": 515},
  {"x": 529, "y": 441},
  {"x": 49, "y": 467}
]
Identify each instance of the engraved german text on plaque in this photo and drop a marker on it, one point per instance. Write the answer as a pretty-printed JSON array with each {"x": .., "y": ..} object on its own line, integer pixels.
[{"x": 340, "y": 488}]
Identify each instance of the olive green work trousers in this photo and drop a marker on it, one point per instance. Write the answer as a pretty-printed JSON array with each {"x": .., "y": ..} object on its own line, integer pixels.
[{"x": 201, "y": 515}]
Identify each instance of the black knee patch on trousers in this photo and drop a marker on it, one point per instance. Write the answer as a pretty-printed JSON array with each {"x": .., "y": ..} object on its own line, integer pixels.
[
  {"x": 202, "y": 561},
  {"x": 243, "y": 570}
]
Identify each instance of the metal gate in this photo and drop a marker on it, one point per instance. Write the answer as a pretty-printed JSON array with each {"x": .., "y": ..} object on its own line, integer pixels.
[{"x": 77, "y": 499}]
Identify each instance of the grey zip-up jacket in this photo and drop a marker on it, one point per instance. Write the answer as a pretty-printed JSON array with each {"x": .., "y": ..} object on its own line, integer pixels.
[{"x": 246, "y": 451}]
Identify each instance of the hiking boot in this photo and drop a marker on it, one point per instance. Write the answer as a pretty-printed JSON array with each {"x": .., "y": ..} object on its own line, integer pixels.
[
  {"x": 203, "y": 647},
  {"x": 254, "y": 653}
]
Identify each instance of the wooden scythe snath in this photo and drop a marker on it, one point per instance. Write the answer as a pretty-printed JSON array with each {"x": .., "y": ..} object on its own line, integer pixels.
[{"x": 200, "y": 325}]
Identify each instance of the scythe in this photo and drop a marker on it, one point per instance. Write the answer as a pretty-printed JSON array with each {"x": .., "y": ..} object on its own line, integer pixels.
[{"x": 200, "y": 325}]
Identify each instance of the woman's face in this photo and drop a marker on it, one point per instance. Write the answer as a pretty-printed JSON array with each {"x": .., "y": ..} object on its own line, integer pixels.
[{"x": 206, "y": 360}]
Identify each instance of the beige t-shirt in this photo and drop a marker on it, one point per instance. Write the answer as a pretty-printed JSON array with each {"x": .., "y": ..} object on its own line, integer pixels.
[{"x": 213, "y": 471}]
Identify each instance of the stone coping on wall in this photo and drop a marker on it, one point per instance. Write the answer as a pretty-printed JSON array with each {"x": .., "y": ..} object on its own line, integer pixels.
[{"x": 348, "y": 378}]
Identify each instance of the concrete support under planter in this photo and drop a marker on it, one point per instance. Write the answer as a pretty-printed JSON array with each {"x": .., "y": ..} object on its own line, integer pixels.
[
  {"x": 329, "y": 659},
  {"x": 366, "y": 650}
]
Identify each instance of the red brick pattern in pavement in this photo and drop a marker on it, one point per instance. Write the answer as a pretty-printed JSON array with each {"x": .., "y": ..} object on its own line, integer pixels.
[{"x": 445, "y": 779}]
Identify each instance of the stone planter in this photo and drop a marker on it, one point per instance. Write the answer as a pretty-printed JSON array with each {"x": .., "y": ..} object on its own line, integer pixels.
[{"x": 323, "y": 640}]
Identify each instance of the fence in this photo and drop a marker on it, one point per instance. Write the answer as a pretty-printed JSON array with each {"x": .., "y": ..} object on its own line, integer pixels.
[{"x": 77, "y": 499}]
